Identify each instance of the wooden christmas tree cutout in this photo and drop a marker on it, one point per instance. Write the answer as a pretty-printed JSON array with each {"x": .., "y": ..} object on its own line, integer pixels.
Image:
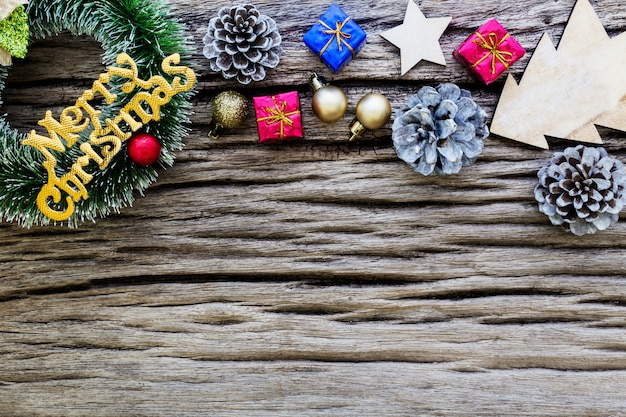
[
  {"x": 418, "y": 38},
  {"x": 566, "y": 92}
]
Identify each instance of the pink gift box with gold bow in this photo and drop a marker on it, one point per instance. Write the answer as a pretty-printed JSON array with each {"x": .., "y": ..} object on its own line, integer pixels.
[
  {"x": 278, "y": 117},
  {"x": 489, "y": 51}
]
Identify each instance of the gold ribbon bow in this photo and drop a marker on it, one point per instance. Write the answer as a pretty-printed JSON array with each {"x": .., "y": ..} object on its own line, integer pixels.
[
  {"x": 277, "y": 115},
  {"x": 491, "y": 45},
  {"x": 336, "y": 33}
]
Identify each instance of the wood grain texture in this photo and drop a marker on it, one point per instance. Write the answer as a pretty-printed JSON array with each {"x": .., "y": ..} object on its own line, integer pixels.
[{"x": 316, "y": 278}]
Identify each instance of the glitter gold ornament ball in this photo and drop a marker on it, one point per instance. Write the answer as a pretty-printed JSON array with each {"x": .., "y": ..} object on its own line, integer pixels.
[{"x": 230, "y": 109}]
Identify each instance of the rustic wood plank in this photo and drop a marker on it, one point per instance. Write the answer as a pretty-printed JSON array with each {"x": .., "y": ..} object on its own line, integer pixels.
[
  {"x": 296, "y": 344},
  {"x": 316, "y": 278}
]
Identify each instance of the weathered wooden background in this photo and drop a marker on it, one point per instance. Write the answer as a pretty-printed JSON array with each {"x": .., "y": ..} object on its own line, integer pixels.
[{"x": 316, "y": 278}]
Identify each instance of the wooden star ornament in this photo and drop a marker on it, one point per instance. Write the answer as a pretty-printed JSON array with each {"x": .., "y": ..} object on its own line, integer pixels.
[{"x": 418, "y": 38}]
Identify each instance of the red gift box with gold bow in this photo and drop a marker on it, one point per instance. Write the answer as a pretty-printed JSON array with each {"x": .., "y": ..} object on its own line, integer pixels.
[
  {"x": 489, "y": 51},
  {"x": 278, "y": 117}
]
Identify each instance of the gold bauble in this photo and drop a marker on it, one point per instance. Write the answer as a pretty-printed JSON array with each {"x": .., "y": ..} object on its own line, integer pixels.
[
  {"x": 373, "y": 111},
  {"x": 329, "y": 104},
  {"x": 230, "y": 109}
]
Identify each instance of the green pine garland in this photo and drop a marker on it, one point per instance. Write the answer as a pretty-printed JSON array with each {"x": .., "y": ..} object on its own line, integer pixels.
[{"x": 144, "y": 30}]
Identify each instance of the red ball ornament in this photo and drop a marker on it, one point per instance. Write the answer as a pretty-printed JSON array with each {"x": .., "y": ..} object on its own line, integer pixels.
[{"x": 144, "y": 149}]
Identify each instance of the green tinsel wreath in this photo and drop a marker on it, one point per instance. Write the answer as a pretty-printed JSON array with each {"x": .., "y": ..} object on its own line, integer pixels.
[{"x": 145, "y": 30}]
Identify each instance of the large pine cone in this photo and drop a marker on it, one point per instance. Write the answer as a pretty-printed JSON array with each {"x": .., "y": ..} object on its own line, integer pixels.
[
  {"x": 441, "y": 130},
  {"x": 242, "y": 43},
  {"x": 582, "y": 189}
]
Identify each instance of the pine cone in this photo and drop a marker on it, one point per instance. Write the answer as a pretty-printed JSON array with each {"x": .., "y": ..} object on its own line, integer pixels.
[
  {"x": 582, "y": 189},
  {"x": 242, "y": 43},
  {"x": 441, "y": 130}
]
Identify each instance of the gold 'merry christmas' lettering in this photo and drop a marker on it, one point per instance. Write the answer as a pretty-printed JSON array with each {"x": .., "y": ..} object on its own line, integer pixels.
[{"x": 144, "y": 106}]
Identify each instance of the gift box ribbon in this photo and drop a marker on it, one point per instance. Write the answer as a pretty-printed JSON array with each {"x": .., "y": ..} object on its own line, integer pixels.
[
  {"x": 277, "y": 114},
  {"x": 492, "y": 45},
  {"x": 338, "y": 34}
]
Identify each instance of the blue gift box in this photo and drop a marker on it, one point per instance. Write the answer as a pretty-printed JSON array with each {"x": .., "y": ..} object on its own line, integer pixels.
[{"x": 335, "y": 38}]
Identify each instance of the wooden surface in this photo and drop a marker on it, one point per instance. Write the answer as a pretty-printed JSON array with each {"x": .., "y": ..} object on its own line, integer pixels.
[{"x": 318, "y": 278}]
